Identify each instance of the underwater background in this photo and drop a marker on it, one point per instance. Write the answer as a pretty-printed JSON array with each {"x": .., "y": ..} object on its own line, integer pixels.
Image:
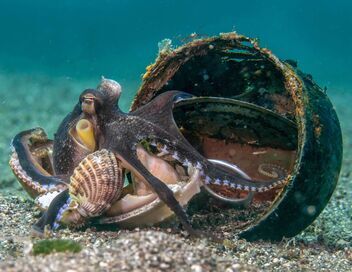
[
  {"x": 82, "y": 40},
  {"x": 52, "y": 50}
]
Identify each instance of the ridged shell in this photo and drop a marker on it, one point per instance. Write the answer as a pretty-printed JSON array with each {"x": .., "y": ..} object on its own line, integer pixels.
[{"x": 96, "y": 183}]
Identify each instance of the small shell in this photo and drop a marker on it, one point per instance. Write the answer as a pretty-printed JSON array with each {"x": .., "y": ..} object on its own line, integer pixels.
[
  {"x": 95, "y": 184},
  {"x": 43, "y": 201}
]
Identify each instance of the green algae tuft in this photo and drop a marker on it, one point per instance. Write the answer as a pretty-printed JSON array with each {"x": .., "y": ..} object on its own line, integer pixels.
[{"x": 48, "y": 246}]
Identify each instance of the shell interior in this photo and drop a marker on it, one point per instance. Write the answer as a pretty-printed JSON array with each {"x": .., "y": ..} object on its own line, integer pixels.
[{"x": 150, "y": 210}]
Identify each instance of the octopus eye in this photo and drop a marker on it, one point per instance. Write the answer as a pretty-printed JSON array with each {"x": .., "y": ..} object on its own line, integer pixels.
[
  {"x": 88, "y": 104},
  {"x": 91, "y": 101}
]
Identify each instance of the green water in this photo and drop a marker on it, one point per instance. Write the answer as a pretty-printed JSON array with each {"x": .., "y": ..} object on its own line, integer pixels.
[{"x": 51, "y": 51}]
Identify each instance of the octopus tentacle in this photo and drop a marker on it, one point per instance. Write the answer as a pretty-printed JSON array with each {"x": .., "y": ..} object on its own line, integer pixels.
[
  {"x": 270, "y": 170},
  {"x": 31, "y": 174},
  {"x": 50, "y": 216},
  {"x": 213, "y": 174},
  {"x": 132, "y": 163},
  {"x": 245, "y": 201},
  {"x": 170, "y": 141},
  {"x": 33, "y": 187},
  {"x": 159, "y": 112},
  {"x": 95, "y": 184},
  {"x": 226, "y": 178}
]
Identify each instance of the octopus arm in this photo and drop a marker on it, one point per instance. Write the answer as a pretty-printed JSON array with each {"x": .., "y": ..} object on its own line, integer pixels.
[
  {"x": 162, "y": 190},
  {"x": 50, "y": 216},
  {"x": 29, "y": 171},
  {"x": 214, "y": 174},
  {"x": 159, "y": 111}
]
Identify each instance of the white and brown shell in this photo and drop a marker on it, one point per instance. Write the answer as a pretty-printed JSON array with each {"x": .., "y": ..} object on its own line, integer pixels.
[{"x": 95, "y": 184}]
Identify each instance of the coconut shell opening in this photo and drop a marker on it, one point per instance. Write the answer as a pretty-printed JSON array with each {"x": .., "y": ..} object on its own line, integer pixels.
[
  {"x": 231, "y": 66},
  {"x": 234, "y": 66},
  {"x": 244, "y": 135},
  {"x": 228, "y": 65}
]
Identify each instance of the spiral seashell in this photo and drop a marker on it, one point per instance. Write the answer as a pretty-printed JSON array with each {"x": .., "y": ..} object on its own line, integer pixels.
[{"x": 95, "y": 184}]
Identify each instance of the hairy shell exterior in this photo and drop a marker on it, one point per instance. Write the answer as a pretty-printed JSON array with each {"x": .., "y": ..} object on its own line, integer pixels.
[{"x": 95, "y": 184}]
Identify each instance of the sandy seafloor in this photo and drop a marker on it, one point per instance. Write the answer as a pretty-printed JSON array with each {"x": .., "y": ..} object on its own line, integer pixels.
[{"x": 29, "y": 101}]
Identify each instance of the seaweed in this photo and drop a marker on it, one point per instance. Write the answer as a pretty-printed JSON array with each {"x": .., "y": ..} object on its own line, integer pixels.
[{"x": 48, "y": 246}]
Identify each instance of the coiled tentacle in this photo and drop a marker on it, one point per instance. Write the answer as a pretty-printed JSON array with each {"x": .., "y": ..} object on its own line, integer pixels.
[{"x": 34, "y": 178}]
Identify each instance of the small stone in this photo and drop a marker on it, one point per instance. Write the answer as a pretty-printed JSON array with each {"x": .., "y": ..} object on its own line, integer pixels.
[
  {"x": 164, "y": 266},
  {"x": 196, "y": 268},
  {"x": 167, "y": 259}
]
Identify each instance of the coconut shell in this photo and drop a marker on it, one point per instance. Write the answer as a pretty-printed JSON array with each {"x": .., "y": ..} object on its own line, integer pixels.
[{"x": 235, "y": 66}]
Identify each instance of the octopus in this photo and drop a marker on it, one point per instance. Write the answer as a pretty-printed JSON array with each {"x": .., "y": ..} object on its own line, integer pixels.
[{"x": 81, "y": 174}]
